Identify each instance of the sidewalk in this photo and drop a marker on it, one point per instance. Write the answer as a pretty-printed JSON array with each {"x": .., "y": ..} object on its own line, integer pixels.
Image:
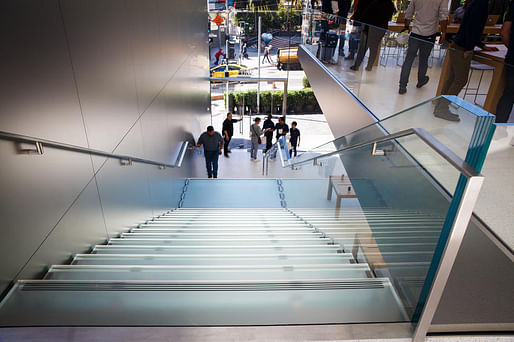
[{"x": 313, "y": 127}]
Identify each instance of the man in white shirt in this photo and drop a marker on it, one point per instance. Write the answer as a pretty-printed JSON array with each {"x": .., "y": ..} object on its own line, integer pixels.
[{"x": 429, "y": 14}]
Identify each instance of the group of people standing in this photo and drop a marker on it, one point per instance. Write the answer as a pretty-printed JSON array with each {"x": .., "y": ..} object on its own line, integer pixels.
[
  {"x": 427, "y": 16},
  {"x": 281, "y": 129},
  {"x": 215, "y": 143}
]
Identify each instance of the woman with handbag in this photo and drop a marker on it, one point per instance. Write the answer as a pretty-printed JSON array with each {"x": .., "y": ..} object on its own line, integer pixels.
[{"x": 255, "y": 136}]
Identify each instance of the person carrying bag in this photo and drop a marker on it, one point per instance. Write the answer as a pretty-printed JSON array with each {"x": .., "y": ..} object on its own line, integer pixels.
[{"x": 255, "y": 137}]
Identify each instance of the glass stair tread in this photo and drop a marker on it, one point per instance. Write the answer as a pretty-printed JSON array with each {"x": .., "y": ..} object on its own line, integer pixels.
[
  {"x": 202, "y": 249},
  {"x": 408, "y": 233},
  {"x": 96, "y": 303},
  {"x": 222, "y": 224},
  {"x": 388, "y": 240},
  {"x": 212, "y": 259},
  {"x": 221, "y": 230},
  {"x": 343, "y": 228},
  {"x": 395, "y": 257},
  {"x": 196, "y": 272},
  {"x": 219, "y": 241},
  {"x": 211, "y": 235},
  {"x": 401, "y": 247}
]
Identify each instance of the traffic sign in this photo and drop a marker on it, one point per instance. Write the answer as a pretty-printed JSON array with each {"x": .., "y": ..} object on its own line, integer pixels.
[{"x": 218, "y": 20}]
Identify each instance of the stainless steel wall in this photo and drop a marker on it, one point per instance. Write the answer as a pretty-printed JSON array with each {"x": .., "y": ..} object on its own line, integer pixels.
[{"x": 123, "y": 76}]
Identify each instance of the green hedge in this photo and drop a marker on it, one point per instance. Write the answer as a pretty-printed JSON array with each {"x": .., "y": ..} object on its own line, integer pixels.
[{"x": 297, "y": 100}]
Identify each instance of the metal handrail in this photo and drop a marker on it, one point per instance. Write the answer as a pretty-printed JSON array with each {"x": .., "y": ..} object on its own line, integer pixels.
[
  {"x": 39, "y": 143},
  {"x": 275, "y": 148},
  {"x": 426, "y": 137}
]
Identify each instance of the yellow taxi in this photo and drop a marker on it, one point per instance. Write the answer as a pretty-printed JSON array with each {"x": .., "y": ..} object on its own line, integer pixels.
[
  {"x": 287, "y": 59},
  {"x": 233, "y": 70}
]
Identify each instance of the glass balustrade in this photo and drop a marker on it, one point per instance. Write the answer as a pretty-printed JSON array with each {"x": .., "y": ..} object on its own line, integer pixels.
[
  {"x": 467, "y": 138},
  {"x": 392, "y": 213}
]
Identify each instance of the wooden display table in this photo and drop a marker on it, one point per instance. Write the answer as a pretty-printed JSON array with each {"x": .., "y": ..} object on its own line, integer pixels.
[
  {"x": 495, "y": 59},
  {"x": 451, "y": 28},
  {"x": 342, "y": 187}
]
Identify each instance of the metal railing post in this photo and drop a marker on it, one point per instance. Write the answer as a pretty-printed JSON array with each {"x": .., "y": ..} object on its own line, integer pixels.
[
  {"x": 460, "y": 224},
  {"x": 284, "y": 100}
]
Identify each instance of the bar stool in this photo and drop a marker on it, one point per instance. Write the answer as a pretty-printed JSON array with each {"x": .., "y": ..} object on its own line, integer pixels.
[
  {"x": 478, "y": 67},
  {"x": 391, "y": 48}
]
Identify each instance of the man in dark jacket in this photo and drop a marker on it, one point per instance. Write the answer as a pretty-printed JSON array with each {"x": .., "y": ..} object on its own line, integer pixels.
[
  {"x": 460, "y": 54},
  {"x": 228, "y": 132},
  {"x": 377, "y": 14},
  {"x": 268, "y": 127},
  {"x": 212, "y": 143}
]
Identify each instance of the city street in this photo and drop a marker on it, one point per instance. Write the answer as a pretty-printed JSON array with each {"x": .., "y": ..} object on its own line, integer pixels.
[
  {"x": 313, "y": 127},
  {"x": 267, "y": 70}
]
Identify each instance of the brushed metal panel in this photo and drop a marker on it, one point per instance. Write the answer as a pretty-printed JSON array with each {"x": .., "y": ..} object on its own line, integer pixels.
[
  {"x": 173, "y": 35},
  {"x": 480, "y": 287},
  {"x": 100, "y": 45},
  {"x": 158, "y": 141},
  {"x": 37, "y": 90},
  {"x": 36, "y": 192},
  {"x": 124, "y": 190},
  {"x": 122, "y": 53},
  {"x": 81, "y": 227},
  {"x": 343, "y": 113},
  {"x": 150, "y": 71},
  {"x": 165, "y": 188}
]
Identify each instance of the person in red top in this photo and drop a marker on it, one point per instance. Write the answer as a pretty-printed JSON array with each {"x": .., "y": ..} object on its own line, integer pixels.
[{"x": 218, "y": 55}]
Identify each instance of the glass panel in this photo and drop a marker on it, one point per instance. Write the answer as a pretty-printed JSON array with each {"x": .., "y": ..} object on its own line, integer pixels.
[
  {"x": 389, "y": 214},
  {"x": 232, "y": 193},
  {"x": 457, "y": 136}
]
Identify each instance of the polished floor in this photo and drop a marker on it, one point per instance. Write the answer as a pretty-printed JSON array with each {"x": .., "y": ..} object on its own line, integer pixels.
[
  {"x": 378, "y": 88},
  {"x": 291, "y": 333}
]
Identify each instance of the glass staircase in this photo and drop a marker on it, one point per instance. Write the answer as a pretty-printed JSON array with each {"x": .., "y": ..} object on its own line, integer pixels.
[
  {"x": 242, "y": 265},
  {"x": 259, "y": 252}
]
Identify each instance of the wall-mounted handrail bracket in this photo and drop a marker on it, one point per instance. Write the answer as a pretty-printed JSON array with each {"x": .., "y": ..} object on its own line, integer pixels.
[
  {"x": 126, "y": 162},
  {"x": 29, "y": 148},
  {"x": 375, "y": 151}
]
